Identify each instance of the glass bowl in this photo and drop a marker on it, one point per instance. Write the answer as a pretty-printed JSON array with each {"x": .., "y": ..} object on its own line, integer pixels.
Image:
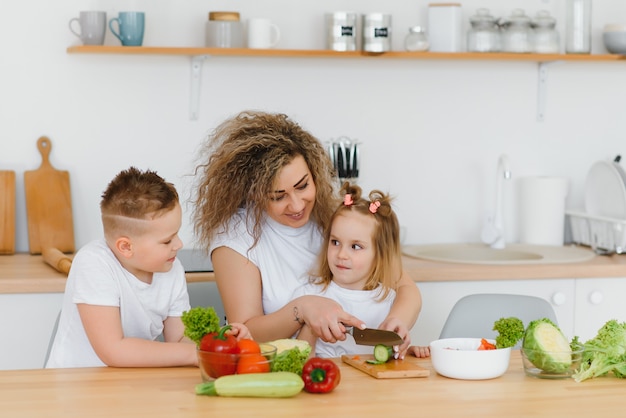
[
  {"x": 551, "y": 365},
  {"x": 214, "y": 365}
]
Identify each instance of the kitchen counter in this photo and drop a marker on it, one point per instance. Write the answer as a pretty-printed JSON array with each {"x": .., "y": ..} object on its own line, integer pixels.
[
  {"x": 169, "y": 392},
  {"x": 25, "y": 273}
]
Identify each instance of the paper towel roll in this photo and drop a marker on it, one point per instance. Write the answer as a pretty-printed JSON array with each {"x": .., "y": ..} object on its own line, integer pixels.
[{"x": 542, "y": 210}]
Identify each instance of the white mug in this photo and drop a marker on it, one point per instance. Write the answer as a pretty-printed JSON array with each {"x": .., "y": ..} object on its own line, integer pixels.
[
  {"x": 262, "y": 33},
  {"x": 91, "y": 27}
]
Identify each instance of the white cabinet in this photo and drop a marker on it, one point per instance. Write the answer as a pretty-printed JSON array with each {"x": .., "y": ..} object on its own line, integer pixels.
[
  {"x": 597, "y": 301},
  {"x": 439, "y": 297},
  {"x": 582, "y": 306},
  {"x": 26, "y": 321}
]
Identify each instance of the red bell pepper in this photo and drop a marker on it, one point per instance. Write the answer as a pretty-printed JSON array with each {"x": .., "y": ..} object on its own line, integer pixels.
[
  {"x": 221, "y": 343},
  {"x": 320, "y": 375}
]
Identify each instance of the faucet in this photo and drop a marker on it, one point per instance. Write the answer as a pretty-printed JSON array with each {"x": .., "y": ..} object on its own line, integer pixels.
[{"x": 493, "y": 231}]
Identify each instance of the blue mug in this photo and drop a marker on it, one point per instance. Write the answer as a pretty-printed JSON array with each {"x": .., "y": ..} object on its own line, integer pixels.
[{"x": 131, "y": 27}]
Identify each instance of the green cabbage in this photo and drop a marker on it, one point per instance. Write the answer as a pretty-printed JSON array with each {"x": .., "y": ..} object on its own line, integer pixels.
[
  {"x": 546, "y": 347},
  {"x": 291, "y": 354}
]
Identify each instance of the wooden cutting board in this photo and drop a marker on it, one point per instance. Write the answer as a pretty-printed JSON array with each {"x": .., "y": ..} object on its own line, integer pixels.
[
  {"x": 48, "y": 205},
  {"x": 7, "y": 212},
  {"x": 393, "y": 369}
]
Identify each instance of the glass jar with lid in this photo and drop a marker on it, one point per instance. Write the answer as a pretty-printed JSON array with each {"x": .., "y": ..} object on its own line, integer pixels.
[
  {"x": 545, "y": 38},
  {"x": 224, "y": 30},
  {"x": 484, "y": 35},
  {"x": 516, "y": 33},
  {"x": 416, "y": 39}
]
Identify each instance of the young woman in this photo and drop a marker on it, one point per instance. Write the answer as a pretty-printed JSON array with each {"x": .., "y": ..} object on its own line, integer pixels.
[{"x": 265, "y": 194}]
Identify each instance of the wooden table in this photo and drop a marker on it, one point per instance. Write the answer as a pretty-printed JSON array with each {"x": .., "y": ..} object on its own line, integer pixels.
[{"x": 169, "y": 392}]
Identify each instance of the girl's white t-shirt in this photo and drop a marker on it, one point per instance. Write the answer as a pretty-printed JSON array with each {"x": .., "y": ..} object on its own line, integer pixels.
[{"x": 363, "y": 304}]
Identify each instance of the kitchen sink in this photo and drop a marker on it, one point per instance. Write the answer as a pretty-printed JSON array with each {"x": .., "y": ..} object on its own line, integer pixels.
[{"x": 476, "y": 253}]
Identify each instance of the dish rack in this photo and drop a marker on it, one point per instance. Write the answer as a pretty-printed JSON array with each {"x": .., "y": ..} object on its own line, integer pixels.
[{"x": 603, "y": 235}]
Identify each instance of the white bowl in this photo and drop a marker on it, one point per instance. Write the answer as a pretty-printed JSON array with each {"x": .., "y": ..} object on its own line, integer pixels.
[
  {"x": 614, "y": 37},
  {"x": 459, "y": 358}
]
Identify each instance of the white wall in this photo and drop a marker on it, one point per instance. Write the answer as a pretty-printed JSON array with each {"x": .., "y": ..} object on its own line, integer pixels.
[{"x": 432, "y": 130}]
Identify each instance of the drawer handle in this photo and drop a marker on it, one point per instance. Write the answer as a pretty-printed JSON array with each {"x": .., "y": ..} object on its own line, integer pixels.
[
  {"x": 596, "y": 297},
  {"x": 559, "y": 298}
]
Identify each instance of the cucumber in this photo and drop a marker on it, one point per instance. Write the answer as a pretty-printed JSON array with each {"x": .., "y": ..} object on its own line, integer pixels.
[
  {"x": 255, "y": 385},
  {"x": 382, "y": 354}
]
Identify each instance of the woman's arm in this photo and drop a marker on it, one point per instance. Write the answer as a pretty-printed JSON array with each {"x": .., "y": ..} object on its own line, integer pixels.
[
  {"x": 239, "y": 284},
  {"x": 103, "y": 326},
  {"x": 404, "y": 311}
]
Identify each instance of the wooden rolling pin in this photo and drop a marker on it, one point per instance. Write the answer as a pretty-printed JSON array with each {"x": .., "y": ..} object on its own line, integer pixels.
[{"x": 59, "y": 261}]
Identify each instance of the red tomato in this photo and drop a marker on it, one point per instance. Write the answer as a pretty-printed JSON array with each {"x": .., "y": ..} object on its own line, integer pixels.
[
  {"x": 248, "y": 346},
  {"x": 253, "y": 363}
]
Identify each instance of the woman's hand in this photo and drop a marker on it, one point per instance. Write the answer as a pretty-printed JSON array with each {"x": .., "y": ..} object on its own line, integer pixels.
[
  {"x": 326, "y": 318},
  {"x": 397, "y": 326}
]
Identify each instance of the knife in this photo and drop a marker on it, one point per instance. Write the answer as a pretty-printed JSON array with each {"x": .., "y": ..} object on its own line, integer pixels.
[{"x": 371, "y": 336}]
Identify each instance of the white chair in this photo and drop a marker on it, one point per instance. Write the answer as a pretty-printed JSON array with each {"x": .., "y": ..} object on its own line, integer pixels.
[
  {"x": 54, "y": 333},
  {"x": 473, "y": 316}
]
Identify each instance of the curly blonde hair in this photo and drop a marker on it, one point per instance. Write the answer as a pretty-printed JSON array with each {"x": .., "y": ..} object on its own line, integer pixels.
[
  {"x": 387, "y": 265},
  {"x": 243, "y": 157}
]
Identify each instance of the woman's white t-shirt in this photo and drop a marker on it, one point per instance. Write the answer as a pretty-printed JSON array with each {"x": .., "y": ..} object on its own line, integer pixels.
[
  {"x": 284, "y": 255},
  {"x": 97, "y": 278}
]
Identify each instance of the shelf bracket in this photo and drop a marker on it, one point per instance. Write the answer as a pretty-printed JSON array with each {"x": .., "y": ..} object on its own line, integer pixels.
[
  {"x": 542, "y": 82},
  {"x": 196, "y": 78}
]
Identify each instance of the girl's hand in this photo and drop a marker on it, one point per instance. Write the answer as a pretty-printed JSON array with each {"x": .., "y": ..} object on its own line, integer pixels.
[
  {"x": 397, "y": 326},
  {"x": 239, "y": 331},
  {"x": 419, "y": 352},
  {"x": 326, "y": 318}
]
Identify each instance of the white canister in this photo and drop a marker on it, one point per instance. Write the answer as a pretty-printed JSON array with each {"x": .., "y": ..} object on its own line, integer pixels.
[
  {"x": 376, "y": 32},
  {"x": 542, "y": 210},
  {"x": 445, "y": 27},
  {"x": 341, "y": 31}
]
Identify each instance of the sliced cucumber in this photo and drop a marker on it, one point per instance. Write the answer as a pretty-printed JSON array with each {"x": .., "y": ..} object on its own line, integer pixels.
[{"x": 382, "y": 354}]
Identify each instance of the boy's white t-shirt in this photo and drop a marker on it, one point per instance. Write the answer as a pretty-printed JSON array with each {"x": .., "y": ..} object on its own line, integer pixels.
[
  {"x": 284, "y": 255},
  {"x": 363, "y": 304},
  {"x": 98, "y": 278}
]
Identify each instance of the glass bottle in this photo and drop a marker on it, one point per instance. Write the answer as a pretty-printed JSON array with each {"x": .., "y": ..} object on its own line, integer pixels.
[
  {"x": 516, "y": 36},
  {"x": 484, "y": 35},
  {"x": 416, "y": 39},
  {"x": 578, "y": 27},
  {"x": 545, "y": 38}
]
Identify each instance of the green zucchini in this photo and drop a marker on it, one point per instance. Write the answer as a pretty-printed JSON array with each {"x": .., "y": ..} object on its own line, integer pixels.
[
  {"x": 256, "y": 385},
  {"x": 382, "y": 354}
]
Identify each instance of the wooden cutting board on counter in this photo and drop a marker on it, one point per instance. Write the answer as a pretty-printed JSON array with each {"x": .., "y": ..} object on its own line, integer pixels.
[
  {"x": 48, "y": 205},
  {"x": 393, "y": 369},
  {"x": 7, "y": 212}
]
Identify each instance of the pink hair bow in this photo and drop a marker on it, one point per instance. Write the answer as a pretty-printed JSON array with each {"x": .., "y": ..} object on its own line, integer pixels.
[
  {"x": 347, "y": 199},
  {"x": 374, "y": 206}
]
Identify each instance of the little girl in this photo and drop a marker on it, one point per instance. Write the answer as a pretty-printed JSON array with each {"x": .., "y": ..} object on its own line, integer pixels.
[{"x": 359, "y": 266}]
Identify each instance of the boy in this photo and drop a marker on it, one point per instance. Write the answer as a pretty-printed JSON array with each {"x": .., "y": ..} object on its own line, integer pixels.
[{"x": 125, "y": 290}]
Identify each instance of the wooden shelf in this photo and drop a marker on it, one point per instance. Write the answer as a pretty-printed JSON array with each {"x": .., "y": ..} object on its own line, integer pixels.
[
  {"x": 199, "y": 55},
  {"x": 313, "y": 53}
]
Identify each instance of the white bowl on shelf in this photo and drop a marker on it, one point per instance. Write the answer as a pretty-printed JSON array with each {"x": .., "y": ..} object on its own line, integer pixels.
[{"x": 614, "y": 37}]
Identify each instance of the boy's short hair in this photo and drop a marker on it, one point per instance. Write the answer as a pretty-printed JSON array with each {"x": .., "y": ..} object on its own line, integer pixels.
[{"x": 135, "y": 195}]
